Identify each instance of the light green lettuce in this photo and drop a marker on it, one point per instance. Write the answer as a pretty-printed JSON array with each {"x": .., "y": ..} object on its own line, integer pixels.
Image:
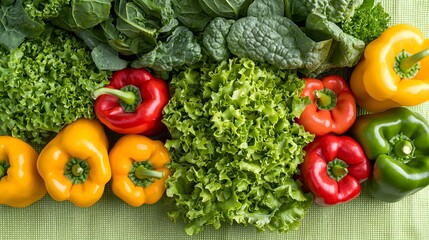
[
  {"x": 235, "y": 146},
  {"x": 45, "y": 84}
]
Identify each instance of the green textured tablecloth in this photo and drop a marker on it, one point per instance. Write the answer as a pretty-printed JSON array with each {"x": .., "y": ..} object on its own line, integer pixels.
[{"x": 110, "y": 218}]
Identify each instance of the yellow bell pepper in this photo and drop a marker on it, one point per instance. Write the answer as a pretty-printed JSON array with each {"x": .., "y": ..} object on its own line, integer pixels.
[
  {"x": 75, "y": 164},
  {"x": 139, "y": 169},
  {"x": 20, "y": 183},
  {"x": 393, "y": 71}
]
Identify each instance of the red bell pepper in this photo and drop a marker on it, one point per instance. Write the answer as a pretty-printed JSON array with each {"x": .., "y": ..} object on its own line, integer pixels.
[
  {"x": 333, "y": 107},
  {"x": 333, "y": 169},
  {"x": 132, "y": 103}
]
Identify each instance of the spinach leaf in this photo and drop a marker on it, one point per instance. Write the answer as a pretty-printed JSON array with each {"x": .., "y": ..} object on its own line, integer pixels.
[
  {"x": 277, "y": 41},
  {"x": 190, "y": 14},
  {"x": 345, "y": 51},
  {"x": 82, "y": 14},
  {"x": 16, "y": 25},
  {"x": 124, "y": 44},
  {"x": 92, "y": 37},
  {"x": 105, "y": 58},
  {"x": 180, "y": 49},
  {"x": 266, "y": 8},
  {"x": 159, "y": 9},
  {"x": 214, "y": 38},
  {"x": 133, "y": 22},
  {"x": 335, "y": 10},
  {"x": 225, "y": 8}
]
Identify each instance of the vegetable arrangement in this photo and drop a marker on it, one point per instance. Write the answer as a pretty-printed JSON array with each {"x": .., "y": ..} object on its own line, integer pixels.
[{"x": 259, "y": 124}]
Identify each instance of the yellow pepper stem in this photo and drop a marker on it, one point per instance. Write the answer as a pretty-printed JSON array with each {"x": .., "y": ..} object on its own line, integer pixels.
[
  {"x": 4, "y": 166},
  {"x": 77, "y": 170},
  {"x": 142, "y": 173},
  {"x": 407, "y": 65}
]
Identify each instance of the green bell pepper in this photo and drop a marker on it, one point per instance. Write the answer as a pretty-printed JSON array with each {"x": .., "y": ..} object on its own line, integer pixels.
[{"x": 397, "y": 141}]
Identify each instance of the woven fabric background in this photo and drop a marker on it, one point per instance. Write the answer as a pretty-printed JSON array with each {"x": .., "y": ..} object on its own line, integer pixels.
[{"x": 110, "y": 218}]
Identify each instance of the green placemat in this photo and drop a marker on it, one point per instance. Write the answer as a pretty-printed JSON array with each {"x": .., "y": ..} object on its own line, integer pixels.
[{"x": 110, "y": 218}]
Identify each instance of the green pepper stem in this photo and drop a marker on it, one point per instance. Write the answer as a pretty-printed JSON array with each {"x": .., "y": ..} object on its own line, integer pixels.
[
  {"x": 127, "y": 96},
  {"x": 142, "y": 172},
  {"x": 326, "y": 99},
  {"x": 403, "y": 148},
  {"x": 337, "y": 169},
  {"x": 408, "y": 63}
]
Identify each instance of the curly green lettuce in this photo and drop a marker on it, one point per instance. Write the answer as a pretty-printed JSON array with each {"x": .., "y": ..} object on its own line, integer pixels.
[
  {"x": 45, "y": 84},
  {"x": 368, "y": 23},
  {"x": 235, "y": 146},
  {"x": 44, "y": 9}
]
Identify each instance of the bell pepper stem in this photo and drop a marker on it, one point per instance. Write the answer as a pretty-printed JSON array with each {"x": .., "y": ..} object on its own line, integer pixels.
[
  {"x": 408, "y": 63},
  {"x": 77, "y": 170},
  {"x": 326, "y": 99},
  {"x": 403, "y": 148},
  {"x": 337, "y": 169},
  {"x": 142, "y": 172},
  {"x": 127, "y": 96},
  {"x": 2, "y": 171},
  {"x": 4, "y": 166}
]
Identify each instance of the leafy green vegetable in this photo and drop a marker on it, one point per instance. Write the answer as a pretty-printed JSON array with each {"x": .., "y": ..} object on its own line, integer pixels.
[
  {"x": 214, "y": 38},
  {"x": 161, "y": 9},
  {"x": 277, "y": 41},
  {"x": 335, "y": 10},
  {"x": 45, "y": 84},
  {"x": 107, "y": 58},
  {"x": 190, "y": 14},
  {"x": 345, "y": 50},
  {"x": 44, "y": 9},
  {"x": 16, "y": 25},
  {"x": 180, "y": 49},
  {"x": 235, "y": 146},
  {"x": 369, "y": 21},
  {"x": 122, "y": 43},
  {"x": 82, "y": 14},
  {"x": 228, "y": 9},
  {"x": 266, "y": 8}
]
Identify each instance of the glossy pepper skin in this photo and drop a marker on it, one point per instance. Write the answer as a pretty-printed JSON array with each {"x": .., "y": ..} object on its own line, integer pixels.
[
  {"x": 394, "y": 70},
  {"x": 333, "y": 107},
  {"x": 139, "y": 169},
  {"x": 334, "y": 168},
  {"x": 75, "y": 163},
  {"x": 20, "y": 183},
  {"x": 132, "y": 103},
  {"x": 397, "y": 140}
]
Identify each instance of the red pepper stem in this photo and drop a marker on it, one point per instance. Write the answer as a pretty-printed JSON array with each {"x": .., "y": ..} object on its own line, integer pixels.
[
  {"x": 408, "y": 63},
  {"x": 142, "y": 172},
  {"x": 326, "y": 99},
  {"x": 337, "y": 169},
  {"x": 127, "y": 96}
]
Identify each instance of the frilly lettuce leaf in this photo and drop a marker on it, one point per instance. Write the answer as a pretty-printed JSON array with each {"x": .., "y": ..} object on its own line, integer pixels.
[{"x": 235, "y": 146}]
